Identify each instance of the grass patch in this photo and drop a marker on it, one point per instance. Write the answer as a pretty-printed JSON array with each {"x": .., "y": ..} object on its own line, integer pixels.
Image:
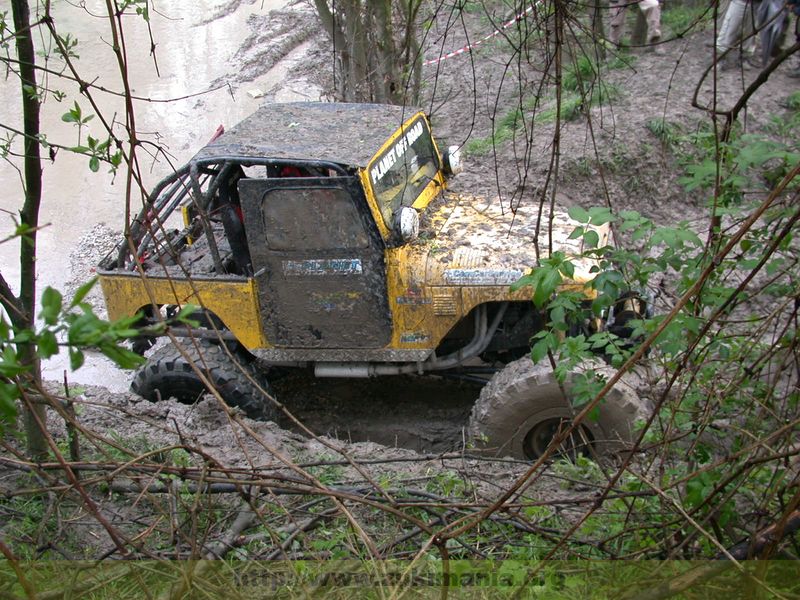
[
  {"x": 681, "y": 20},
  {"x": 582, "y": 89},
  {"x": 669, "y": 133},
  {"x": 573, "y": 105},
  {"x": 793, "y": 101}
]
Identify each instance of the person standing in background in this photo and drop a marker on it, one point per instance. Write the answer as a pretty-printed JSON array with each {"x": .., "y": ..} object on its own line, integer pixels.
[
  {"x": 652, "y": 14},
  {"x": 794, "y": 7},
  {"x": 736, "y": 31}
]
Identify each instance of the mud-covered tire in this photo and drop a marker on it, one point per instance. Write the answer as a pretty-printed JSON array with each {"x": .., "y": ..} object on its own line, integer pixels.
[
  {"x": 168, "y": 374},
  {"x": 523, "y": 403}
]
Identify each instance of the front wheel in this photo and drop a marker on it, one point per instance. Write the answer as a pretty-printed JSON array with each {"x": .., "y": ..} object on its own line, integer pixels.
[
  {"x": 522, "y": 409},
  {"x": 169, "y": 374}
]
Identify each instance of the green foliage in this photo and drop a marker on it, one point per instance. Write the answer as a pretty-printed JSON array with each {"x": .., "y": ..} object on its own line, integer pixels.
[
  {"x": 328, "y": 474},
  {"x": 448, "y": 484},
  {"x": 670, "y": 134},
  {"x": 680, "y": 19},
  {"x": 793, "y": 102},
  {"x": 74, "y": 326},
  {"x": 546, "y": 278},
  {"x": 727, "y": 389},
  {"x": 66, "y": 47},
  {"x": 75, "y": 115},
  {"x": 141, "y": 7},
  {"x": 745, "y": 163},
  {"x": 98, "y": 151}
]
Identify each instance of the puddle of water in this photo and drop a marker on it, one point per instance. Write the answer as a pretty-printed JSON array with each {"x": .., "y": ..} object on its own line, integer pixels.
[{"x": 190, "y": 55}]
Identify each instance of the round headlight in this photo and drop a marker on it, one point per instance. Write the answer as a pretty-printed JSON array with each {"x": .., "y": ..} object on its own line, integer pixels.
[
  {"x": 407, "y": 224},
  {"x": 452, "y": 160}
]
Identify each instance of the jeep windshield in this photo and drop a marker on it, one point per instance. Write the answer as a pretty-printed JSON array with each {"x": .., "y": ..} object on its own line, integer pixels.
[{"x": 402, "y": 171}]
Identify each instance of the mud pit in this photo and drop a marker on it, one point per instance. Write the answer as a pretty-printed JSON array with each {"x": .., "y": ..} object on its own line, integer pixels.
[{"x": 425, "y": 414}]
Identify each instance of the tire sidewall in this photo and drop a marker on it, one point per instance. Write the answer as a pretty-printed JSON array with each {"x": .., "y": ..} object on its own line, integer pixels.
[{"x": 508, "y": 410}]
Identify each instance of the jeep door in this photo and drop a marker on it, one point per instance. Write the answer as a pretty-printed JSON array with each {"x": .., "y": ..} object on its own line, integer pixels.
[{"x": 318, "y": 261}]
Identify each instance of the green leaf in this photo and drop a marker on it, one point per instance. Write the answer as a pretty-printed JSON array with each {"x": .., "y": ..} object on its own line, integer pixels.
[
  {"x": 48, "y": 346},
  {"x": 74, "y": 115},
  {"x": 9, "y": 393},
  {"x": 600, "y": 215},
  {"x": 523, "y": 282},
  {"x": 51, "y": 305},
  {"x": 122, "y": 357},
  {"x": 579, "y": 214},
  {"x": 601, "y": 303},
  {"x": 82, "y": 291},
  {"x": 568, "y": 268},
  {"x": 576, "y": 233},
  {"x": 85, "y": 330},
  {"x": 546, "y": 285},
  {"x": 185, "y": 314},
  {"x": 30, "y": 91},
  {"x": 591, "y": 238},
  {"x": 539, "y": 350},
  {"x": 558, "y": 315},
  {"x": 76, "y": 359},
  {"x": 10, "y": 365},
  {"x": 585, "y": 386},
  {"x": 700, "y": 176},
  {"x": 94, "y": 164},
  {"x": 24, "y": 336}
]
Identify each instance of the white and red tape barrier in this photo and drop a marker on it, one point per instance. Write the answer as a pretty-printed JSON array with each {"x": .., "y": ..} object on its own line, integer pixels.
[{"x": 495, "y": 33}]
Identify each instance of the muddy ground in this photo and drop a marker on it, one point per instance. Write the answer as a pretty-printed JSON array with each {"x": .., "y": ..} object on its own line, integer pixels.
[{"x": 465, "y": 95}]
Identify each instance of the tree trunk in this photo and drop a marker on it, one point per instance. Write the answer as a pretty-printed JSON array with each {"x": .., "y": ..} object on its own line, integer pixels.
[
  {"x": 412, "y": 58},
  {"x": 375, "y": 44},
  {"x": 341, "y": 51},
  {"x": 596, "y": 12},
  {"x": 29, "y": 216},
  {"x": 387, "y": 84}
]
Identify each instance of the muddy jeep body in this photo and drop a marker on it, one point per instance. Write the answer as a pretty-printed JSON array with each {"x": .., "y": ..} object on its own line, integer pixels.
[{"x": 299, "y": 241}]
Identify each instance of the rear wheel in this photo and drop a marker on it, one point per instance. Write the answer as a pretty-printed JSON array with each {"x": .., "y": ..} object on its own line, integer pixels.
[
  {"x": 168, "y": 374},
  {"x": 522, "y": 409}
]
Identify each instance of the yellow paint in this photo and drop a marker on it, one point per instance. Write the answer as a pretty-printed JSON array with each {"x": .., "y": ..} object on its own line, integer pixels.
[
  {"x": 411, "y": 300},
  {"x": 234, "y": 302},
  {"x": 187, "y": 221},
  {"x": 425, "y": 307},
  {"x": 433, "y": 189},
  {"x": 372, "y": 202}
]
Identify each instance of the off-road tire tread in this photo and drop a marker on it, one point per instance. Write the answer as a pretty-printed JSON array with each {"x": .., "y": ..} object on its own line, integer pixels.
[
  {"x": 522, "y": 388},
  {"x": 167, "y": 373}
]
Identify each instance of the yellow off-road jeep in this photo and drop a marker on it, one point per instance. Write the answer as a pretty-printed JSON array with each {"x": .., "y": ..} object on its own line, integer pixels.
[{"x": 320, "y": 235}]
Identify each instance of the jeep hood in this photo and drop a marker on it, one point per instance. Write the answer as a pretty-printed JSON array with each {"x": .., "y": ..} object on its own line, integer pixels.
[{"x": 475, "y": 242}]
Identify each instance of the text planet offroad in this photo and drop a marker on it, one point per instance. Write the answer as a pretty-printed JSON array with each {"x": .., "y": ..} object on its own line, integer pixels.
[{"x": 396, "y": 151}]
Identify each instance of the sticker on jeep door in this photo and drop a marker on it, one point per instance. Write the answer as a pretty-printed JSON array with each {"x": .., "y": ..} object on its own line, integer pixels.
[
  {"x": 331, "y": 266},
  {"x": 482, "y": 276}
]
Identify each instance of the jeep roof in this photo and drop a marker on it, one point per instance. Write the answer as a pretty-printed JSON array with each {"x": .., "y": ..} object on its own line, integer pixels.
[{"x": 348, "y": 134}]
